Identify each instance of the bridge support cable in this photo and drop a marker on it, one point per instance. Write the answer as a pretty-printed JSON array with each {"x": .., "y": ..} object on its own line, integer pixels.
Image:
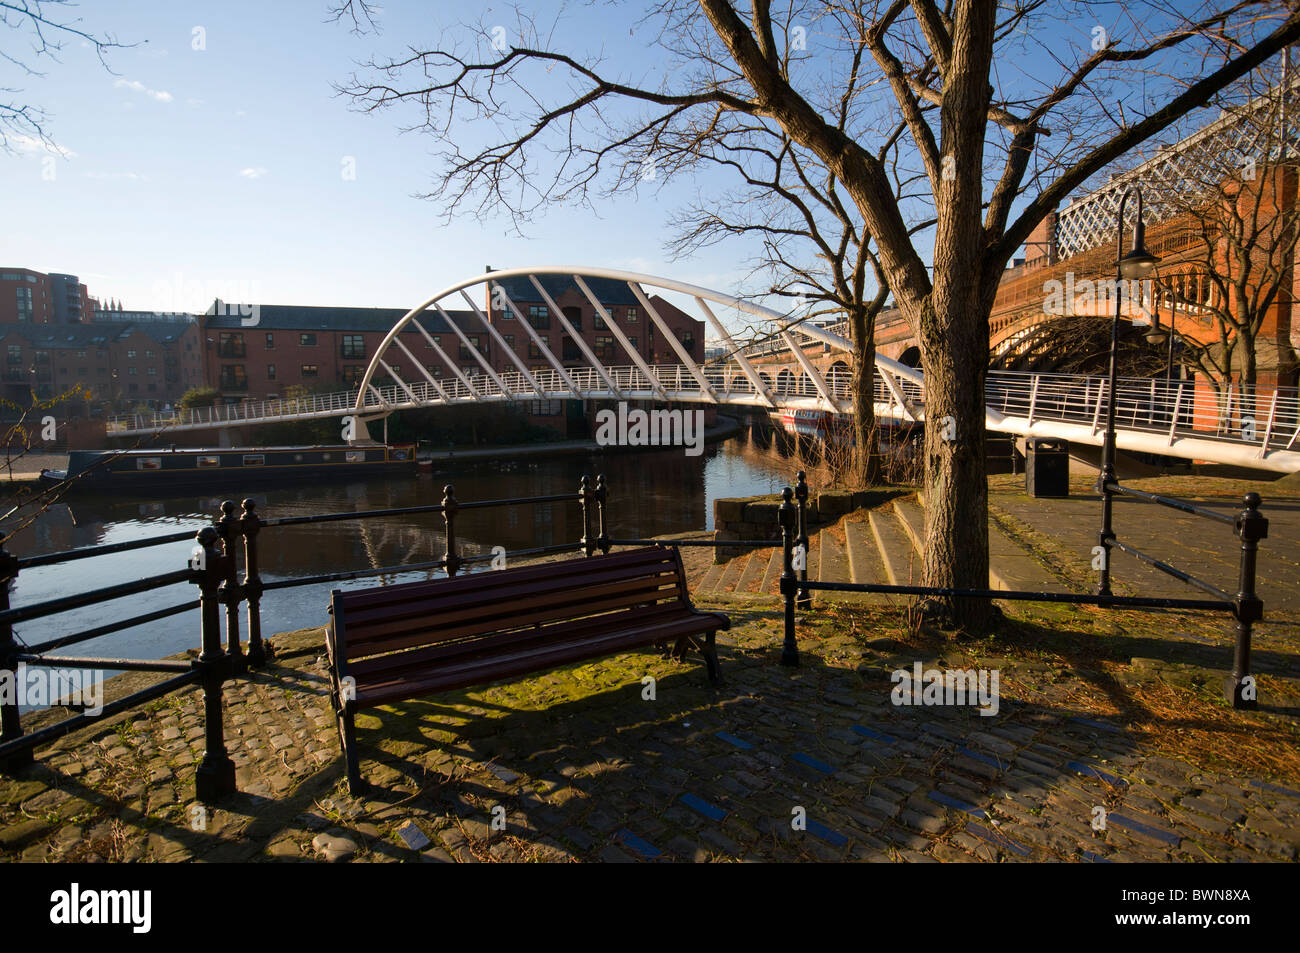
[
  {"x": 442, "y": 355},
  {"x": 681, "y": 352},
  {"x": 610, "y": 323},
  {"x": 400, "y": 383},
  {"x": 577, "y": 338},
  {"x": 755, "y": 380},
  {"x": 810, "y": 371},
  {"x": 500, "y": 342},
  {"x": 527, "y": 325},
  {"x": 422, "y": 369}
]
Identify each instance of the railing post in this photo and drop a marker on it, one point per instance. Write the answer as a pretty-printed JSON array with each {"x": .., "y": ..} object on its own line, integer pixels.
[
  {"x": 804, "y": 601},
  {"x": 449, "y": 508},
  {"x": 789, "y": 585},
  {"x": 11, "y": 726},
  {"x": 602, "y": 496},
  {"x": 585, "y": 500},
  {"x": 231, "y": 592},
  {"x": 251, "y": 525},
  {"x": 215, "y": 776},
  {"x": 1252, "y": 526}
]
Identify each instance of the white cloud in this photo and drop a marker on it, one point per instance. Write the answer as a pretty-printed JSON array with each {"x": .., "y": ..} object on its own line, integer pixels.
[
  {"x": 161, "y": 95},
  {"x": 253, "y": 173},
  {"x": 31, "y": 145}
]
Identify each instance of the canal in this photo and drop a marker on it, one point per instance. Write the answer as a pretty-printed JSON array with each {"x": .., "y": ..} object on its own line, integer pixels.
[{"x": 651, "y": 493}]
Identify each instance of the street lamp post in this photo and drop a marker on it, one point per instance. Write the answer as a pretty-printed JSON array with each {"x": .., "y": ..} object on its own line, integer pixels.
[{"x": 1135, "y": 266}]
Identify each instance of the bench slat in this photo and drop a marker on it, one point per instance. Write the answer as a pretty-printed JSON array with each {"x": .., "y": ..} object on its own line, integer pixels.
[
  {"x": 494, "y": 668},
  {"x": 436, "y": 624},
  {"x": 372, "y": 669}
]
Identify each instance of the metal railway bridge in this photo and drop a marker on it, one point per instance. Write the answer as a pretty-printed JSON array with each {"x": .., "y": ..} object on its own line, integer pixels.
[{"x": 1171, "y": 418}]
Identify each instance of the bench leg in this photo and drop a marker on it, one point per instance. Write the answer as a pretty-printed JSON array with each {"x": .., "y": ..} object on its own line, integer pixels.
[
  {"x": 710, "y": 652},
  {"x": 348, "y": 741}
]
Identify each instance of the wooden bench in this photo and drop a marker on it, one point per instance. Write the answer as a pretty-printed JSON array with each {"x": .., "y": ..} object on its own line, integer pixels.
[{"x": 398, "y": 642}]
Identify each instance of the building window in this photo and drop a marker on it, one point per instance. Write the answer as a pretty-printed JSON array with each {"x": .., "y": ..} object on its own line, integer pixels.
[
  {"x": 151, "y": 371},
  {"x": 510, "y": 340},
  {"x": 352, "y": 374},
  {"x": 632, "y": 341},
  {"x": 354, "y": 347},
  {"x": 605, "y": 348},
  {"x": 534, "y": 351},
  {"x": 15, "y": 354},
  {"x": 574, "y": 316},
  {"x": 131, "y": 372},
  {"x": 229, "y": 344},
  {"x": 270, "y": 372},
  {"x": 434, "y": 370},
  {"x": 148, "y": 353},
  {"x": 688, "y": 340},
  {"x": 632, "y": 317},
  {"x": 233, "y": 377},
  {"x": 306, "y": 340},
  {"x": 270, "y": 341},
  {"x": 474, "y": 342},
  {"x": 81, "y": 353},
  {"x": 24, "y": 304},
  {"x": 539, "y": 317},
  {"x": 130, "y": 353},
  {"x": 310, "y": 370}
]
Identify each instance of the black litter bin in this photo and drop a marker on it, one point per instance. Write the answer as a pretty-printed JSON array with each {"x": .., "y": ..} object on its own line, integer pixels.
[{"x": 1047, "y": 467}]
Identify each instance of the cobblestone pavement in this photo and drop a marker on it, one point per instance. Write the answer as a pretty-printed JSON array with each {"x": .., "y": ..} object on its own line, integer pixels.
[{"x": 776, "y": 764}]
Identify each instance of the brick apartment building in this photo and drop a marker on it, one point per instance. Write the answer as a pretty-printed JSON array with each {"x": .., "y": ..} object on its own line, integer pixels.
[{"x": 326, "y": 349}]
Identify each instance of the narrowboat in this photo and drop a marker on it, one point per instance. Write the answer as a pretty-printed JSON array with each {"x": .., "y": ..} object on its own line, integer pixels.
[{"x": 184, "y": 468}]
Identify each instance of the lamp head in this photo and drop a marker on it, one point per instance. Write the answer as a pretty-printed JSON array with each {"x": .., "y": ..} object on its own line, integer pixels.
[{"x": 1139, "y": 263}]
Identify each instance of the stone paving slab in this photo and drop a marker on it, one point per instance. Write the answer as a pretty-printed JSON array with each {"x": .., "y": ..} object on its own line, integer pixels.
[{"x": 813, "y": 763}]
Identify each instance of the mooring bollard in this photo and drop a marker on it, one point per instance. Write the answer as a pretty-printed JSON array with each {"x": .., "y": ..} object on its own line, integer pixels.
[
  {"x": 215, "y": 776},
  {"x": 251, "y": 525},
  {"x": 11, "y": 727},
  {"x": 449, "y": 508},
  {"x": 789, "y": 584},
  {"x": 804, "y": 602},
  {"x": 585, "y": 500},
  {"x": 1252, "y": 526},
  {"x": 231, "y": 592},
  {"x": 602, "y": 492}
]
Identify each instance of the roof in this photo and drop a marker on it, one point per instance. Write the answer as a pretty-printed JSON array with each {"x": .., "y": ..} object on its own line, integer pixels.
[
  {"x": 58, "y": 336},
  {"x": 289, "y": 317}
]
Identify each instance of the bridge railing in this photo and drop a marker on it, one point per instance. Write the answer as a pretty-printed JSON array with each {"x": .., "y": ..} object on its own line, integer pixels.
[{"x": 1265, "y": 415}]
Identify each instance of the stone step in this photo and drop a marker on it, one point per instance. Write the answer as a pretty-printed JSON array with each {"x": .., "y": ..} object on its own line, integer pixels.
[
  {"x": 732, "y": 572},
  {"x": 901, "y": 561},
  {"x": 709, "y": 582},
  {"x": 772, "y": 575},
  {"x": 912, "y": 517},
  {"x": 1011, "y": 566},
  {"x": 756, "y": 564},
  {"x": 864, "y": 561},
  {"x": 832, "y": 566}
]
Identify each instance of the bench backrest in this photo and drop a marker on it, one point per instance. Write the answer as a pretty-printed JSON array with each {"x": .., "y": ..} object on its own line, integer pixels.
[{"x": 409, "y": 615}]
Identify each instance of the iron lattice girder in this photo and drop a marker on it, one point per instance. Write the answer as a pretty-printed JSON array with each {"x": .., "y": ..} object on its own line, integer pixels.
[{"x": 1239, "y": 139}]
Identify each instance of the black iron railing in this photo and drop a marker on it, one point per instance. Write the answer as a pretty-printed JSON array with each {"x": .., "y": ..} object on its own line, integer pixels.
[
  {"x": 214, "y": 568},
  {"x": 1244, "y": 606}
]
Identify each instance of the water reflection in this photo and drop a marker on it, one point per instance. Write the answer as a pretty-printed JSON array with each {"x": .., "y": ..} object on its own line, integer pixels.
[{"x": 649, "y": 494}]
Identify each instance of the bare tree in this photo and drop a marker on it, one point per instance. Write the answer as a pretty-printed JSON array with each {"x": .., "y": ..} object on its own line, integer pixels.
[
  {"x": 999, "y": 148},
  {"x": 33, "y": 31},
  {"x": 1239, "y": 211}
]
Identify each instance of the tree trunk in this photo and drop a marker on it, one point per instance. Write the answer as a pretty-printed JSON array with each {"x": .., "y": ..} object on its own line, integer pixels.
[
  {"x": 954, "y": 331},
  {"x": 866, "y": 460}
]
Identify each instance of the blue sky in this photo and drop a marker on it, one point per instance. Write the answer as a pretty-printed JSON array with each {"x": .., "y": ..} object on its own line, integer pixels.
[
  {"x": 225, "y": 165},
  {"x": 198, "y": 169}
]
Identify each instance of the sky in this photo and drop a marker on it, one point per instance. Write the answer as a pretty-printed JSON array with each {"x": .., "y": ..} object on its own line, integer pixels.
[
  {"x": 213, "y": 158},
  {"x": 225, "y": 167}
]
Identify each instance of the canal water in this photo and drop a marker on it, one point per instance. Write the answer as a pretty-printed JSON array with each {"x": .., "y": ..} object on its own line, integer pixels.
[{"x": 650, "y": 494}]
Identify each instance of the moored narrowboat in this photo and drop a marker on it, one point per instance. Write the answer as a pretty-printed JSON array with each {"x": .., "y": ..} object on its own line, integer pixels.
[{"x": 183, "y": 468}]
